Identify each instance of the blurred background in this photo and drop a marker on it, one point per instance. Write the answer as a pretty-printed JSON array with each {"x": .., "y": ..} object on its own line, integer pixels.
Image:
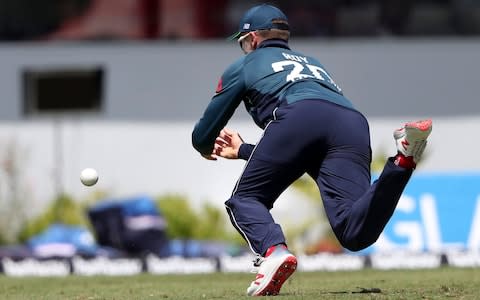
[
  {"x": 117, "y": 85},
  {"x": 188, "y": 19}
]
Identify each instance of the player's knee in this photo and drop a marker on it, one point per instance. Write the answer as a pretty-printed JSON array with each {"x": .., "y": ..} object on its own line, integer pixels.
[
  {"x": 351, "y": 246},
  {"x": 357, "y": 243}
]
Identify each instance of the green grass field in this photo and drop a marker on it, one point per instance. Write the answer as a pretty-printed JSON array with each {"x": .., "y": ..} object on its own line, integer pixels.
[{"x": 443, "y": 283}]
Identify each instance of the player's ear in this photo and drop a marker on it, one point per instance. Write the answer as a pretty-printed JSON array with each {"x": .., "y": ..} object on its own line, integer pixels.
[{"x": 255, "y": 39}]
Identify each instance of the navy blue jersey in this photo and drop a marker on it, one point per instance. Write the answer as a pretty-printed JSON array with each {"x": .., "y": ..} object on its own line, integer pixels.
[{"x": 266, "y": 77}]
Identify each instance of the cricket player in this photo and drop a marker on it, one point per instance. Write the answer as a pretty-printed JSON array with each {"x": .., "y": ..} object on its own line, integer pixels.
[{"x": 309, "y": 127}]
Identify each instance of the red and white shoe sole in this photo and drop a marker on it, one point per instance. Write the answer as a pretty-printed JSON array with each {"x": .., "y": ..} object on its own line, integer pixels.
[
  {"x": 286, "y": 269},
  {"x": 423, "y": 125}
]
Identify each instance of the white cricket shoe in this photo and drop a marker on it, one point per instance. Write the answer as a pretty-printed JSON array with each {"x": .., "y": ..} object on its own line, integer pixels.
[
  {"x": 273, "y": 271},
  {"x": 411, "y": 139}
]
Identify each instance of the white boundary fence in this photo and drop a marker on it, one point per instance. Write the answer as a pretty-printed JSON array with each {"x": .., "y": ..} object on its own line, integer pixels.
[{"x": 178, "y": 265}]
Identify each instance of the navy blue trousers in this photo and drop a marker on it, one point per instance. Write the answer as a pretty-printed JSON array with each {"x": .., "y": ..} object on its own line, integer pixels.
[{"x": 332, "y": 144}]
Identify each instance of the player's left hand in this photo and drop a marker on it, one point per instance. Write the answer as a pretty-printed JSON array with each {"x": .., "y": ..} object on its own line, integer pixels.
[{"x": 227, "y": 144}]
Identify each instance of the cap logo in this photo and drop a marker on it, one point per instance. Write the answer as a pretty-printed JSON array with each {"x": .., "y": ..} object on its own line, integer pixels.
[{"x": 246, "y": 26}]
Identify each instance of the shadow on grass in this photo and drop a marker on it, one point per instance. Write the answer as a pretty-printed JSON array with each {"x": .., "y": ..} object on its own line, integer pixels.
[{"x": 359, "y": 290}]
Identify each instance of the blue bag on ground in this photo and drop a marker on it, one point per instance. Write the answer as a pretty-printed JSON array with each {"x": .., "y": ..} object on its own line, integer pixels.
[
  {"x": 134, "y": 225},
  {"x": 60, "y": 240}
]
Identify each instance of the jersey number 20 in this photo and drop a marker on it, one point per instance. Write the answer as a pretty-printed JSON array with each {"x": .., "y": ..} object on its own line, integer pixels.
[{"x": 296, "y": 72}]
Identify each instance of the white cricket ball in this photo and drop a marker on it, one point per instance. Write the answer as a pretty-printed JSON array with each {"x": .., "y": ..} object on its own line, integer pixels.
[{"x": 89, "y": 176}]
